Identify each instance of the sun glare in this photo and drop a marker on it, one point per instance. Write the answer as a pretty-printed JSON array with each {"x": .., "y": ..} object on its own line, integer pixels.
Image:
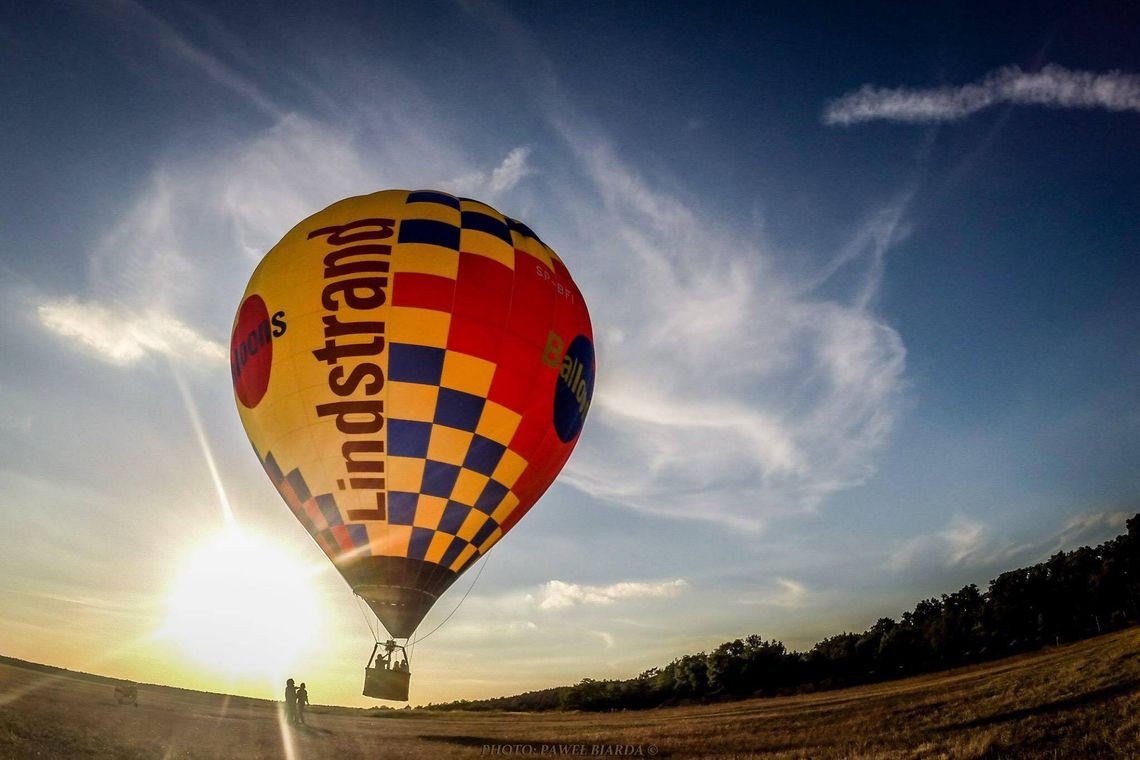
[{"x": 241, "y": 607}]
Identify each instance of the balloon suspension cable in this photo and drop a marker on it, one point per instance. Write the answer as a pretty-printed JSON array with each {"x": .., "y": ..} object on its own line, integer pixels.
[
  {"x": 374, "y": 631},
  {"x": 482, "y": 567}
]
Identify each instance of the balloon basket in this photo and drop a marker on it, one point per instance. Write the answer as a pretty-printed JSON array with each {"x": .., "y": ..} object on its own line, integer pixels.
[{"x": 380, "y": 683}]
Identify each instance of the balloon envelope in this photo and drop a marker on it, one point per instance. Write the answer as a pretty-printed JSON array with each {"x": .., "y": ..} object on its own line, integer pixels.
[{"x": 413, "y": 369}]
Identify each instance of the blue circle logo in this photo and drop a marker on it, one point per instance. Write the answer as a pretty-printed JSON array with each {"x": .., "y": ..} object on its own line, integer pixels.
[{"x": 574, "y": 388}]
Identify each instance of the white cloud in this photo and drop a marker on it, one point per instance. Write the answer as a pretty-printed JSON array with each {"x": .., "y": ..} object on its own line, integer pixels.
[
  {"x": 189, "y": 241},
  {"x": 502, "y": 178},
  {"x": 783, "y": 592},
  {"x": 121, "y": 336},
  {"x": 211, "y": 219},
  {"x": 511, "y": 171},
  {"x": 1076, "y": 531},
  {"x": 885, "y": 228},
  {"x": 965, "y": 542},
  {"x": 205, "y": 223},
  {"x": 726, "y": 392},
  {"x": 1052, "y": 86},
  {"x": 119, "y": 604},
  {"x": 138, "y": 19},
  {"x": 1080, "y": 527},
  {"x": 961, "y": 542},
  {"x": 559, "y": 594},
  {"x": 606, "y": 638}
]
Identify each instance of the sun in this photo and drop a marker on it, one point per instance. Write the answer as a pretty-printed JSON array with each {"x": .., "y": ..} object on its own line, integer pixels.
[{"x": 242, "y": 607}]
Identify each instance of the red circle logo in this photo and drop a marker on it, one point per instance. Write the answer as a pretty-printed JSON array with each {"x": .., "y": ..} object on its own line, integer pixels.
[{"x": 251, "y": 352}]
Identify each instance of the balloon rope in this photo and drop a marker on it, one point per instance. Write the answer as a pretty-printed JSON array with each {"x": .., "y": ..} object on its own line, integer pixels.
[
  {"x": 461, "y": 601},
  {"x": 363, "y": 614}
]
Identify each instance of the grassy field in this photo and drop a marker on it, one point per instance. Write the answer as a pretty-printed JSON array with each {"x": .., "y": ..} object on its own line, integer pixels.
[{"x": 1076, "y": 701}]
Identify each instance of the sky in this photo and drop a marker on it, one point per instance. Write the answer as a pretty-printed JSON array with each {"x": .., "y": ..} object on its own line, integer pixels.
[{"x": 863, "y": 283}]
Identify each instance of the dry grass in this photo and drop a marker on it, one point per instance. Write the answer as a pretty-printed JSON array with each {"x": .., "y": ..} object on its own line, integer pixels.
[{"x": 1078, "y": 701}]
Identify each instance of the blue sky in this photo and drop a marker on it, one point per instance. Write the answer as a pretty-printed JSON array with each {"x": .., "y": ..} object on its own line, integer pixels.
[{"x": 862, "y": 284}]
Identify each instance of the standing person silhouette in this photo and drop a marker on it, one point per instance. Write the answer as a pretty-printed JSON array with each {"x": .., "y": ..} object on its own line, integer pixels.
[
  {"x": 290, "y": 701},
  {"x": 302, "y": 702}
]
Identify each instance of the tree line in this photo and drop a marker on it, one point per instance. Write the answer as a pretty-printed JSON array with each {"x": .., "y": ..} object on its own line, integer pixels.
[{"x": 1070, "y": 596}]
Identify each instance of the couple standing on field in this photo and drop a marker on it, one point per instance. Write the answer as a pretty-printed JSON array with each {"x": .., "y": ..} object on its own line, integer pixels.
[{"x": 296, "y": 700}]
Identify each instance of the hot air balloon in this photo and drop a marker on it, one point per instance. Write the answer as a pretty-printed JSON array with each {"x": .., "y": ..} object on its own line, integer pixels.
[{"x": 413, "y": 369}]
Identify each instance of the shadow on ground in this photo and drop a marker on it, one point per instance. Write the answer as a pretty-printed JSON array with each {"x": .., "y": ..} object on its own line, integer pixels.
[
  {"x": 313, "y": 730},
  {"x": 1058, "y": 705}
]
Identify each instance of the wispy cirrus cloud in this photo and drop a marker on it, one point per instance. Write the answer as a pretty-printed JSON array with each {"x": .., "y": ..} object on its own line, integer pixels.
[
  {"x": 782, "y": 592},
  {"x": 509, "y": 173},
  {"x": 502, "y": 178},
  {"x": 1053, "y": 86},
  {"x": 967, "y": 542},
  {"x": 961, "y": 541},
  {"x": 187, "y": 243},
  {"x": 106, "y": 603},
  {"x": 559, "y": 594},
  {"x": 1081, "y": 529},
  {"x": 209, "y": 219},
  {"x": 206, "y": 221},
  {"x": 138, "y": 19},
  {"x": 726, "y": 392},
  {"x": 121, "y": 336}
]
